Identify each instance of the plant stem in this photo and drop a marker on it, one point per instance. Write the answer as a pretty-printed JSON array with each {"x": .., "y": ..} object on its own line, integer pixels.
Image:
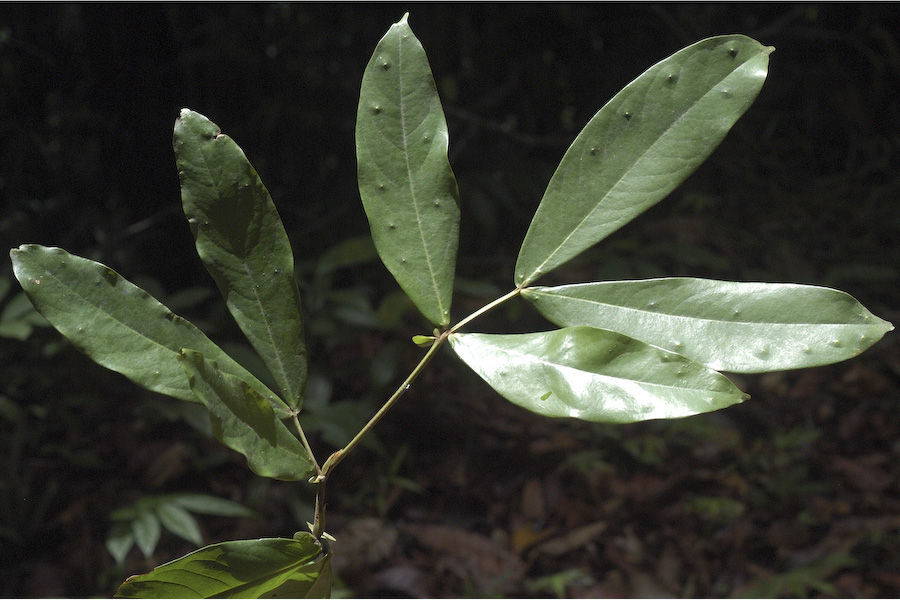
[
  {"x": 319, "y": 519},
  {"x": 305, "y": 443},
  {"x": 321, "y": 479},
  {"x": 484, "y": 309},
  {"x": 338, "y": 456}
]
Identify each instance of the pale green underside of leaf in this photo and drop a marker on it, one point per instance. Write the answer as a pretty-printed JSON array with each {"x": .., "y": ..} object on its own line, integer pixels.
[
  {"x": 263, "y": 568},
  {"x": 243, "y": 244},
  {"x": 640, "y": 146},
  {"x": 728, "y": 326},
  {"x": 405, "y": 181},
  {"x": 593, "y": 375},
  {"x": 243, "y": 420},
  {"x": 117, "y": 324}
]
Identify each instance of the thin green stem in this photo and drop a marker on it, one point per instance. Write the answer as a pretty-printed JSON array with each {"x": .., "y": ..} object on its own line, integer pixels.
[
  {"x": 318, "y": 528},
  {"x": 306, "y": 445},
  {"x": 338, "y": 456},
  {"x": 485, "y": 308}
]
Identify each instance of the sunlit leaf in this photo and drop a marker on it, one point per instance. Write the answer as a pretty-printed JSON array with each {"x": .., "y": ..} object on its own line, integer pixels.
[
  {"x": 117, "y": 324},
  {"x": 594, "y": 375},
  {"x": 405, "y": 181},
  {"x": 640, "y": 146},
  {"x": 242, "y": 420},
  {"x": 263, "y": 568},
  {"x": 243, "y": 244},
  {"x": 728, "y": 326}
]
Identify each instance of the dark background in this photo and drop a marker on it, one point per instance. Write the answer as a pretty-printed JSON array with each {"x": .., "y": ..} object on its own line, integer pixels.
[{"x": 796, "y": 489}]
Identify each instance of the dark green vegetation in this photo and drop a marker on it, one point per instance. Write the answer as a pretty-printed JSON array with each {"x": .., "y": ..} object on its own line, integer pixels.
[{"x": 344, "y": 307}]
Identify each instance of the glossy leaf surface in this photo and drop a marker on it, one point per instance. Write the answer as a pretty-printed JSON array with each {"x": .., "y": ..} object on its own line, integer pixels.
[
  {"x": 640, "y": 146},
  {"x": 263, "y": 568},
  {"x": 117, "y": 324},
  {"x": 243, "y": 244},
  {"x": 407, "y": 187},
  {"x": 594, "y": 375},
  {"x": 243, "y": 420},
  {"x": 729, "y": 326}
]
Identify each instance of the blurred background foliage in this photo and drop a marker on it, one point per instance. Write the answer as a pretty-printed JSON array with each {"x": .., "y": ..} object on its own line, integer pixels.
[{"x": 803, "y": 189}]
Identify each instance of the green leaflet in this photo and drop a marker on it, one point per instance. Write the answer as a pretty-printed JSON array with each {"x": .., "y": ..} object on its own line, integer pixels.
[
  {"x": 407, "y": 187},
  {"x": 179, "y": 521},
  {"x": 640, "y": 146},
  {"x": 136, "y": 522},
  {"x": 728, "y": 326},
  {"x": 243, "y": 420},
  {"x": 117, "y": 324},
  {"x": 242, "y": 242},
  {"x": 594, "y": 375},
  {"x": 263, "y": 568}
]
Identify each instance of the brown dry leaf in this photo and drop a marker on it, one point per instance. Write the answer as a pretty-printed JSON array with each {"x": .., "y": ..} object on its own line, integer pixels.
[
  {"x": 533, "y": 506},
  {"x": 863, "y": 473},
  {"x": 168, "y": 465},
  {"x": 525, "y": 536},
  {"x": 669, "y": 567},
  {"x": 362, "y": 544},
  {"x": 807, "y": 385},
  {"x": 559, "y": 441},
  {"x": 573, "y": 540},
  {"x": 486, "y": 562},
  {"x": 863, "y": 379},
  {"x": 409, "y": 580}
]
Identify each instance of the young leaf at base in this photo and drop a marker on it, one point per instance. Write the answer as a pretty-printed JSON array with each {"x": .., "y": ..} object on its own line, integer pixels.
[{"x": 264, "y": 568}]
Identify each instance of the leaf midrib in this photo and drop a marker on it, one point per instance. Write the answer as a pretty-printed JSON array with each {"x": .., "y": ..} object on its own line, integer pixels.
[
  {"x": 686, "y": 318},
  {"x": 412, "y": 188},
  {"x": 611, "y": 378},
  {"x": 254, "y": 283}
]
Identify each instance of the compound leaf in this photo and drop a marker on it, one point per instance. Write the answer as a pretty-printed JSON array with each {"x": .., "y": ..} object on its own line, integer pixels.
[
  {"x": 243, "y": 244},
  {"x": 263, "y": 568},
  {"x": 593, "y": 375},
  {"x": 640, "y": 146},
  {"x": 740, "y": 327},
  {"x": 117, "y": 324},
  {"x": 243, "y": 420},
  {"x": 407, "y": 187}
]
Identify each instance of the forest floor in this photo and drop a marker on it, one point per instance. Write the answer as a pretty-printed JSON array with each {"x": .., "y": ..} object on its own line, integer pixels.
[{"x": 795, "y": 493}]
